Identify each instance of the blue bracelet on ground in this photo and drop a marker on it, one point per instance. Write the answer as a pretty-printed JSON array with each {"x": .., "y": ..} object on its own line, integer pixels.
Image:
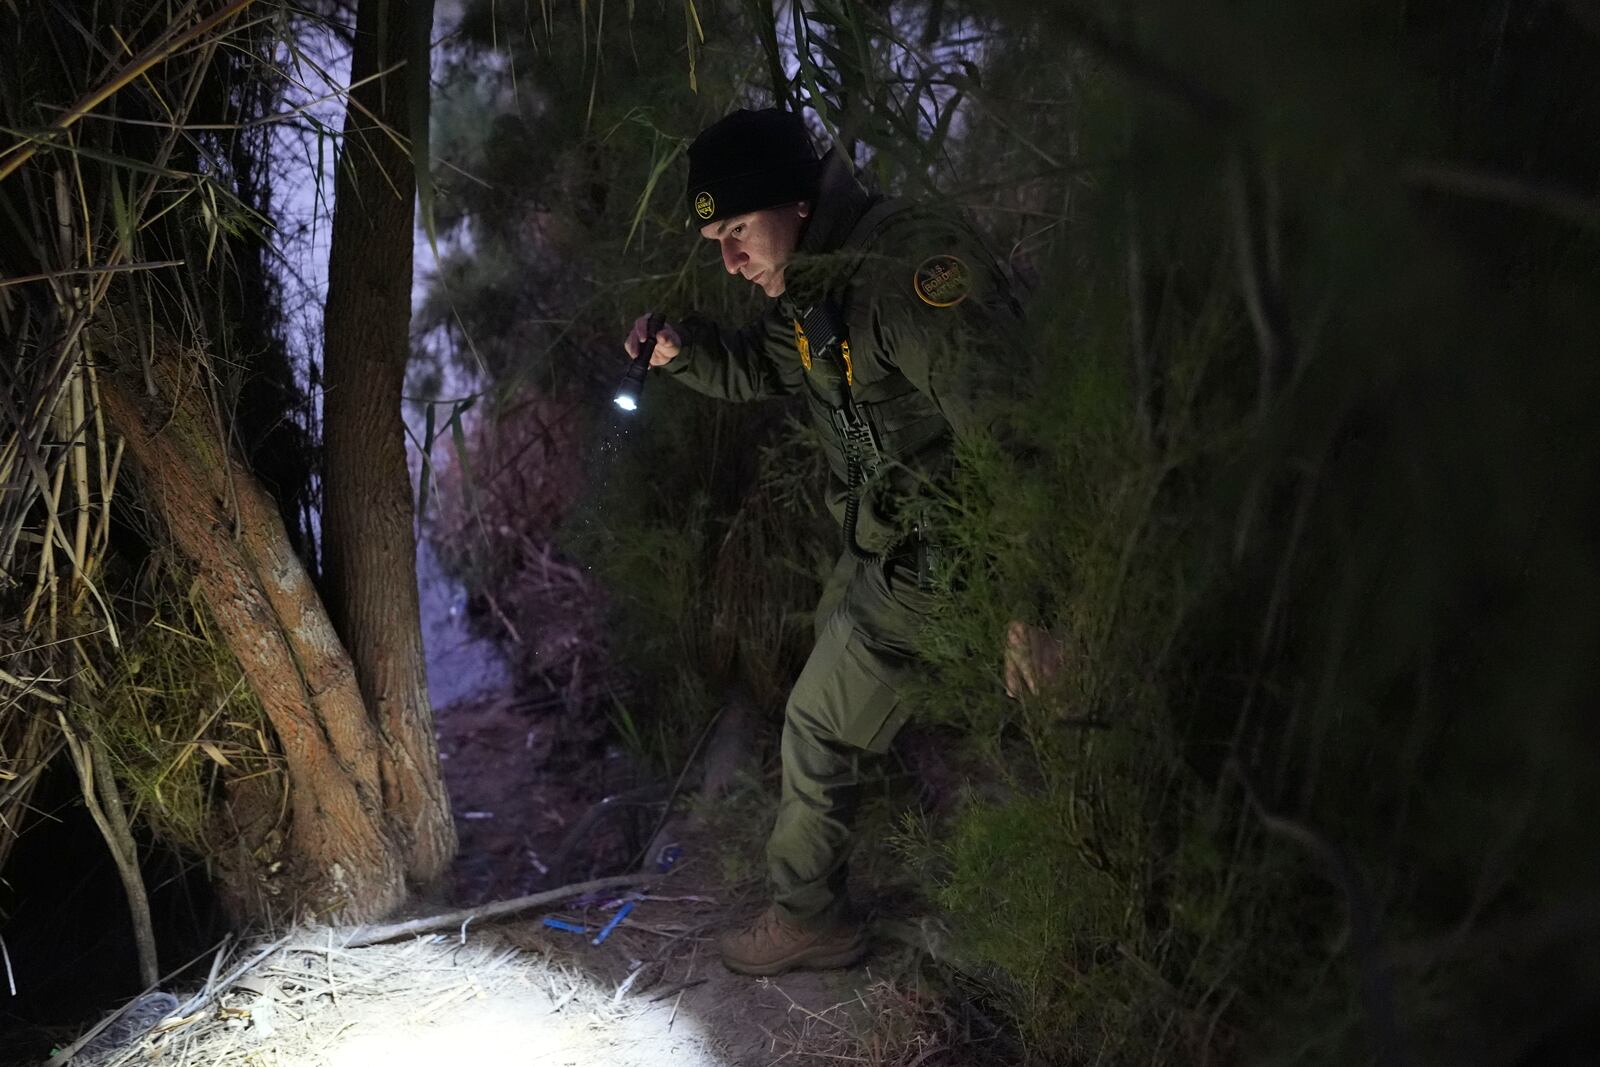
[{"x": 605, "y": 931}]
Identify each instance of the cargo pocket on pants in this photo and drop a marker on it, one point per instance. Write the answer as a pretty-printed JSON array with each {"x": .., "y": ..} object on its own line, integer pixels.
[{"x": 873, "y": 710}]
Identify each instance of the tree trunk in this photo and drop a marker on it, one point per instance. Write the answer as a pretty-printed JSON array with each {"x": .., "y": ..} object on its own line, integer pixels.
[
  {"x": 369, "y": 550},
  {"x": 339, "y": 857}
]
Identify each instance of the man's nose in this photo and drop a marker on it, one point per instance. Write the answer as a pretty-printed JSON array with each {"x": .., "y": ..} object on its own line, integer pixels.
[{"x": 733, "y": 257}]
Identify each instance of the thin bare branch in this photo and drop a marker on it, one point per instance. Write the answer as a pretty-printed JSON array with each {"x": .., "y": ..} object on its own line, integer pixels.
[
  {"x": 500, "y": 909},
  {"x": 110, "y": 268}
]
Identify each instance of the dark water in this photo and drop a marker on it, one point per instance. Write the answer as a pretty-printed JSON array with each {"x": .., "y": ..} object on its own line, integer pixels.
[{"x": 460, "y": 663}]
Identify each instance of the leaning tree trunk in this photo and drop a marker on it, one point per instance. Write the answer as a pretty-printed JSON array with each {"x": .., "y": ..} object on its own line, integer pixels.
[
  {"x": 339, "y": 856},
  {"x": 369, "y": 550}
]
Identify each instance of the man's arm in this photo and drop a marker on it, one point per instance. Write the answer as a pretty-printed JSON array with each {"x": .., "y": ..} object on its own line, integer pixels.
[{"x": 753, "y": 363}]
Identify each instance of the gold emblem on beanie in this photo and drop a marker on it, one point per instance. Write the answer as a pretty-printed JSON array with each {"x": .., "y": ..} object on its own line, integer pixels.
[
  {"x": 705, "y": 206},
  {"x": 942, "y": 281}
]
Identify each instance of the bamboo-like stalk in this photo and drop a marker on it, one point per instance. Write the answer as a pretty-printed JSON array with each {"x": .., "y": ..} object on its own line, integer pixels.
[
  {"x": 47, "y": 562},
  {"x": 164, "y": 47},
  {"x": 108, "y": 471},
  {"x": 109, "y": 268},
  {"x": 79, "y": 445},
  {"x": 55, "y": 509},
  {"x": 27, "y": 685}
]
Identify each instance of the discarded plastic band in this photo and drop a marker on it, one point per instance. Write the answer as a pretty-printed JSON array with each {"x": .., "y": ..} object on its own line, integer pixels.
[{"x": 605, "y": 931}]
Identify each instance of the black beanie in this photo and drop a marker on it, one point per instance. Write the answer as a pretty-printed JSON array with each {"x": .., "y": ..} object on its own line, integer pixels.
[{"x": 748, "y": 161}]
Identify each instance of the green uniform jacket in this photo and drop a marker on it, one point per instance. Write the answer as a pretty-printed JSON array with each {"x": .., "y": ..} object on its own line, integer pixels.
[{"x": 931, "y": 329}]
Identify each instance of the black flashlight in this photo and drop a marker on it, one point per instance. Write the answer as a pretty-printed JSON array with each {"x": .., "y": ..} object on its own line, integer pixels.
[{"x": 627, "y": 397}]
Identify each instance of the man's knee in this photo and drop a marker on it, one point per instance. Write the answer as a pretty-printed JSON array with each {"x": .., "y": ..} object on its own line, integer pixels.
[{"x": 815, "y": 759}]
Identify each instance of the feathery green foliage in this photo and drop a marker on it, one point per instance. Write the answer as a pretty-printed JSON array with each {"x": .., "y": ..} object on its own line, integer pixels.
[
  {"x": 179, "y": 718},
  {"x": 1301, "y": 490}
]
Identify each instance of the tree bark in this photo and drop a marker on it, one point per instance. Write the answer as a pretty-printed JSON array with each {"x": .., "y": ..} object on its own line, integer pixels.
[
  {"x": 369, "y": 549},
  {"x": 339, "y": 858}
]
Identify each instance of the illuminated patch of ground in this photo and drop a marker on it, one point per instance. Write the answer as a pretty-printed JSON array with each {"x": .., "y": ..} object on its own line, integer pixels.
[{"x": 432, "y": 1001}]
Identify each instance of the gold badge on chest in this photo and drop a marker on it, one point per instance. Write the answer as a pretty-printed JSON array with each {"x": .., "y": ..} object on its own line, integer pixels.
[{"x": 802, "y": 345}]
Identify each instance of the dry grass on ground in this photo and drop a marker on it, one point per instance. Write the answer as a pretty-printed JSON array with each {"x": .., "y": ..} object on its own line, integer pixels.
[
  {"x": 311, "y": 1003},
  {"x": 520, "y": 993}
]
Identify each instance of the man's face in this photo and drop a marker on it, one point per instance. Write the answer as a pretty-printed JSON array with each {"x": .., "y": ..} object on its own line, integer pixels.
[{"x": 759, "y": 245}]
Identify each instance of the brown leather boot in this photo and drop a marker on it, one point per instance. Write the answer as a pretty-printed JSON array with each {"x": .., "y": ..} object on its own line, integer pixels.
[{"x": 770, "y": 944}]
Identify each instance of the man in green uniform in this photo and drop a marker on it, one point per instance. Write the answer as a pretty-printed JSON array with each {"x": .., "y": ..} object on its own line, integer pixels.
[{"x": 890, "y": 321}]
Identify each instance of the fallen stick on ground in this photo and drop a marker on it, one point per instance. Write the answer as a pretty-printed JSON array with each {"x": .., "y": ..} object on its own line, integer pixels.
[
  {"x": 677, "y": 987},
  {"x": 500, "y": 909}
]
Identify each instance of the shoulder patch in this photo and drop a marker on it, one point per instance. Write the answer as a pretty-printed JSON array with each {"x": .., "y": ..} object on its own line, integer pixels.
[{"x": 942, "y": 281}]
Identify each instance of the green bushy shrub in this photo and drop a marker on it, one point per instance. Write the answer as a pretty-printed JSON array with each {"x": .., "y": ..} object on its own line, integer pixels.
[{"x": 1300, "y": 484}]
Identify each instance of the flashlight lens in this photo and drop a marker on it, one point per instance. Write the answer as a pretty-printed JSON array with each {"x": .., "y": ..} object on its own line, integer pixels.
[{"x": 626, "y": 402}]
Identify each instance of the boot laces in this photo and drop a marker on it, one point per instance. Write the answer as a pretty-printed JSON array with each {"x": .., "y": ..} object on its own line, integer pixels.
[{"x": 770, "y": 928}]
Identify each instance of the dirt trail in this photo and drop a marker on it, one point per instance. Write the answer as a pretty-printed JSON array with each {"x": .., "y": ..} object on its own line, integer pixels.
[
  {"x": 518, "y": 786},
  {"x": 523, "y": 767}
]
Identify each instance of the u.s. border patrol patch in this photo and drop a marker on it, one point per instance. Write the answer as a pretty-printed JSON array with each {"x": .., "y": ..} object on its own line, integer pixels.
[
  {"x": 705, "y": 205},
  {"x": 942, "y": 281}
]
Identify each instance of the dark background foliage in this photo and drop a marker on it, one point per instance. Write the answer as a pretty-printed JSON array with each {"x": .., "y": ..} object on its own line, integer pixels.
[{"x": 1311, "y": 297}]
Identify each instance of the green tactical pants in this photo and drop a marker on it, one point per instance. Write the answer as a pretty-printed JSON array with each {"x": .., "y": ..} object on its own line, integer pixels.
[{"x": 844, "y": 707}]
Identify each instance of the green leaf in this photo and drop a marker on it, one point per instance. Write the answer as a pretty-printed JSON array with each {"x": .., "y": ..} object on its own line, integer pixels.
[
  {"x": 809, "y": 74},
  {"x": 695, "y": 35},
  {"x": 122, "y": 216},
  {"x": 419, "y": 95},
  {"x": 761, "y": 15},
  {"x": 426, "y": 477},
  {"x": 656, "y": 171},
  {"x": 458, "y": 439}
]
